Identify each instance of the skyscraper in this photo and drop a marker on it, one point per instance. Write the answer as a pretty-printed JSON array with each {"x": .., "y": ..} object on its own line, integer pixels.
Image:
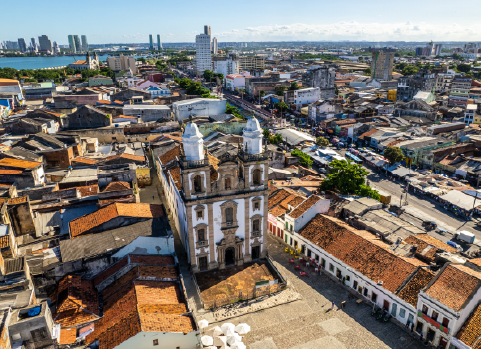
[
  {"x": 78, "y": 46},
  {"x": 151, "y": 47},
  {"x": 207, "y": 30},
  {"x": 85, "y": 44},
  {"x": 34, "y": 44},
  {"x": 159, "y": 44},
  {"x": 203, "y": 54},
  {"x": 22, "y": 45},
  {"x": 71, "y": 44},
  {"x": 382, "y": 64},
  {"x": 56, "y": 49},
  {"x": 45, "y": 43},
  {"x": 214, "y": 46}
]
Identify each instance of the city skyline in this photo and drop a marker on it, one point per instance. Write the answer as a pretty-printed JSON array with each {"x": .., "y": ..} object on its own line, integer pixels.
[{"x": 356, "y": 22}]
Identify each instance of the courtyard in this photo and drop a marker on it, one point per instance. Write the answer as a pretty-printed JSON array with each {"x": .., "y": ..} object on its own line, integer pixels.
[{"x": 309, "y": 321}]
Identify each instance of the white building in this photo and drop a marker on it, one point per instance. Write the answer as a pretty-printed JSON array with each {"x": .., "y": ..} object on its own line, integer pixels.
[
  {"x": 203, "y": 54},
  {"x": 214, "y": 46},
  {"x": 380, "y": 276},
  {"x": 446, "y": 303},
  {"x": 198, "y": 106},
  {"x": 225, "y": 65},
  {"x": 220, "y": 203},
  {"x": 122, "y": 63},
  {"x": 470, "y": 113},
  {"x": 235, "y": 81},
  {"x": 306, "y": 96},
  {"x": 147, "y": 112}
]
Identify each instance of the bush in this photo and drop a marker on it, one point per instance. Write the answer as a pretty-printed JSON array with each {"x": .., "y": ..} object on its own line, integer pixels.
[{"x": 304, "y": 160}]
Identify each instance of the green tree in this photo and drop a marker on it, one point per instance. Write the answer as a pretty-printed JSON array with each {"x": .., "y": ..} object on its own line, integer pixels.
[
  {"x": 464, "y": 67},
  {"x": 281, "y": 105},
  {"x": 276, "y": 139},
  {"x": 322, "y": 142},
  {"x": 336, "y": 90},
  {"x": 229, "y": 109},
  {"x": 208, "y": 75},
  {"x": 262, "y": 93},
  {"x": 410, "y": 70},
  {"x": 294, "y": 86},
  {"x": 348, "y": 178},
  {"x": 367, "y": 71},
  {"x": 304, "y": 159},
  {"x": 141, "y": 59},
  {"x": 280, "y": 90},
  {"x": 393, "y": 154}
]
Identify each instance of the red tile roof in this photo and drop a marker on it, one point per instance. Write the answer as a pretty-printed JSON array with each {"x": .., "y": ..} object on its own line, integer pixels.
[
  {"x": 170, "y": 155},
  {"x": 89, "y": 221},
  {"x": 471, "y": 330},
  {"x": 16, "y": 163},
  {"x": 76, "y": 301},
  {"x": 19, "y": 200},
  {"x": 454, "y": 285},
  {"x": 302, "y": 208},
  {"x": 85, "y": 160},
  {"x": 125, "y": 156},
  {"x": 344, "y": 243},
  {"x": 116, "y": 186},
  {"x": 368, "y": 133},
  {"x": 10, "y": 172},
  {"x": 410, "y": 292}
]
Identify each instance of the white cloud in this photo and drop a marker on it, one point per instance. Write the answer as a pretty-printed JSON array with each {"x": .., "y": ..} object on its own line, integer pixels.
[{"x": 406, "y": 31}]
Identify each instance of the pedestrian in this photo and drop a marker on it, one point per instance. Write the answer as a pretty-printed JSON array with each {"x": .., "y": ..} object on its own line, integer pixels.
[
  {"x": 332, "y": 307},
  {"x": 153, "y": 197}
]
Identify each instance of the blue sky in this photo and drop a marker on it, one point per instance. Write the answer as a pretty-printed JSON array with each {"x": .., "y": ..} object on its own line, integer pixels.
[{"x": 124, "y": 21}]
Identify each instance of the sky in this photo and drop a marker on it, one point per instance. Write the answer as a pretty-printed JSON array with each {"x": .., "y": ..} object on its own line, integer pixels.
[{"x": 123, "y": 21}]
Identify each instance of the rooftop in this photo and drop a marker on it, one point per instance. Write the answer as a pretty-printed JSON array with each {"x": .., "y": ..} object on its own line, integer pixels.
[
  {"x": 307, "y": 204},
  {"x": 454, "y": 285},
  {"x": 85, "y": 223},
  {"x": 17, "y": 163}
]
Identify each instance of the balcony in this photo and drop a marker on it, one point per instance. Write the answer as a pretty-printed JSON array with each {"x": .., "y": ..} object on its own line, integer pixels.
[
  {"x": 185, "y": 164},
  {"x": 433, "y": 322},
  {"x": 202, "y": 243},
  {"x": 253, "y": 157},
  {"x": 229, "y": 225}
]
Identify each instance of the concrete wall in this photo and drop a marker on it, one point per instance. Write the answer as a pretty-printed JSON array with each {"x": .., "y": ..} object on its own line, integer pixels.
[
  {"x": 166, "y": 340},
  {"x": 235, "y": 127},
  {"x": 148, "y": 245},
  {"x": 88, "y": 118},
  {"x": 148, "y": 112},
  {"x": 198, "y": 106}
]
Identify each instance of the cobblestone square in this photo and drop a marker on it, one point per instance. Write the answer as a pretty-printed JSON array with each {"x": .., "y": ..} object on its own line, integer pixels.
[{"x": 309, "y": 321}]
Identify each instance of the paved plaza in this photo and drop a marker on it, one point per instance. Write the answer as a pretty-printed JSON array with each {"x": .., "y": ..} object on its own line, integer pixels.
[{"x": 310, "y": 323}]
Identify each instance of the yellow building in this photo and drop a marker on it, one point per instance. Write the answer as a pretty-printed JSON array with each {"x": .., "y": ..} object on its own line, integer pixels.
[
  {"x": 477, "y": 119},
  {"x": 305, "y": 111},
  {"x": 392, "y": 95}
]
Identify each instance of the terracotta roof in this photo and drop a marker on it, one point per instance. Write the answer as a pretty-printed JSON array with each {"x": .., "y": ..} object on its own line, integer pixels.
[
  {"x": 68, "y": 335},
  {"x": 79, "y": 63},
  {"x": 214, "y": 165},
  {"x": 116, "y": 186},
  {"x": 170, "y": 155},
  {"x": 155, "y": 306},
  {"x": 76, "y": 301},
  {"x": 341, "y": 241},
  {"x": 368, "y": 133},
  {"x": 437, "y": 243},
  {"x": 302, "y": 208},
  {"x": 277, "y": 211},
  {"x": 17, "y": 163},
  {"x": 125, "y": 156},
  {"x": 410, "y": 292},
  {"x": 476, "y": 261},
  {"x": 448, "y": 160},
  {"x": 175, "y": 173},
  {"x": 278, "y": 197},
  {"x": 84, "y": 160},
  {"x": 19, "y": 200},
  {"x": 89, "y": 221},
  {"x": 292, "y": 200},
  {"x": 454, "y": 285},
  {"x": 88, "y": 190},
  {"x": 471, "y": 329}
]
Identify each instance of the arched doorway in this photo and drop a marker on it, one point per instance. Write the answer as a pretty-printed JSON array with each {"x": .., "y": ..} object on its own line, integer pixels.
[{"x": 230, "y": 256}]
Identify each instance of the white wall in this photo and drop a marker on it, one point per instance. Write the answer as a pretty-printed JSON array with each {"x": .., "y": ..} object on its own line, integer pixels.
[
  {"x": 307, "y": 95},
  {"x": 167, "y": 340},
  {"x": 322, "y": 206},
  {"x": 148, "y": 245},
  {"x": 198, "y": 106}
]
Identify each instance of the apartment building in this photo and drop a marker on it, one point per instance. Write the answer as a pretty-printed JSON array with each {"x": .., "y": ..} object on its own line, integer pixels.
[
  {"x": 203, "y": 54},
  {"x": 459, "y": 91},
  {"x": 382, "y": 64}
]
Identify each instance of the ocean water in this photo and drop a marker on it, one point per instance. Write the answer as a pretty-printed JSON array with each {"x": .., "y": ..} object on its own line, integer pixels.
[{"x": 41, "y": 62}]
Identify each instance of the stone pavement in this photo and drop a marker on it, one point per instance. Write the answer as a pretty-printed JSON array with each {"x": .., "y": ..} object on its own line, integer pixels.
[{"x": 309, "y": 322}]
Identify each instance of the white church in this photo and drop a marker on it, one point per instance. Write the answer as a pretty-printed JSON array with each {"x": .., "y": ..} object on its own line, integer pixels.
[{"x": 219, "y": 202}]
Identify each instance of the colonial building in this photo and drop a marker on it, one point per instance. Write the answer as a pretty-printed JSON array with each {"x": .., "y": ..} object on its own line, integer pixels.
[
  {"x": 220, "y": 202},
  {"x": 89, "y": 63}
]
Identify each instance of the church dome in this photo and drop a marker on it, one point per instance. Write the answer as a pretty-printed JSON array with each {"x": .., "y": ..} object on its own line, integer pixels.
[
  {"x": 253, "y": 125},
  {"x": 191, "y": 131}
]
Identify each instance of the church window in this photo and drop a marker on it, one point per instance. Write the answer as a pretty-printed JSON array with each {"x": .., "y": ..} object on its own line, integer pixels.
[
  {"x": 201, "y": 234},
  {"x": 229, "y": 214},
  {"x": 227, "y": 183},
  {"x": 197, "y": 184},
  {"x": 255, "y": 225},
  {"x": 257, "y": 177}
]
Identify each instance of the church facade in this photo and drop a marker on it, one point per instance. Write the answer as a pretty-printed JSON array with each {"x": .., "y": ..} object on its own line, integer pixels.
[
  {"x": 219, "y": 202},
  {"x": 89, "y": 63}
]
